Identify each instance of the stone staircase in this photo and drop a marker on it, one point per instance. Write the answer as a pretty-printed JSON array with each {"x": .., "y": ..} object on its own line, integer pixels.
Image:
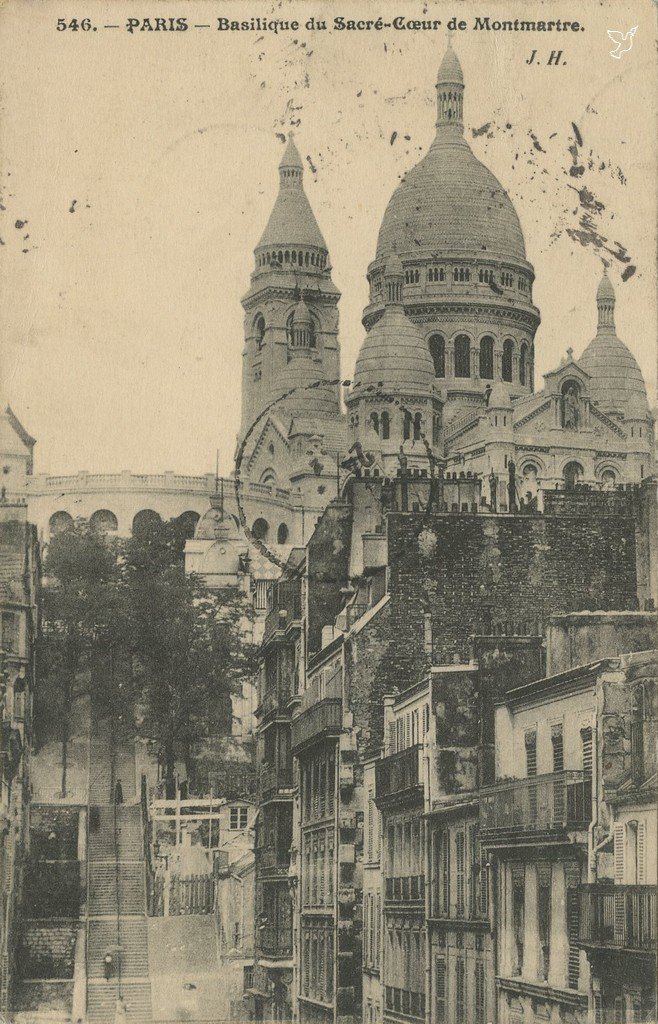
[
  {"x": 129, "y": 833},
  {"x": 116, "y": 893},
  {"x": 102, "y": 998}
]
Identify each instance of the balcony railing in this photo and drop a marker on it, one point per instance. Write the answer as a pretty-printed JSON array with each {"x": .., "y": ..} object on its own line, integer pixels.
[
  {"x": 285, "y": 607},
  {"x": 324, "y": 719},
  {"x": 401, "y": 1002},
  {"x": 274, "y": 942},
  {"x": 406, "y": 889},
  {"x": 277, "y": 697},
  {"x": 540, "y": 805},
  {"x": 272, "y": 779},
  {"x": 273, "y": 858},
  {"x": 618, "y": 917},
  {"x": 399, "y": 774}
]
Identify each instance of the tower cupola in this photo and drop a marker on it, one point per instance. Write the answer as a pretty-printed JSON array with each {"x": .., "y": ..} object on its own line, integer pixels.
[
  {"x": 450, "y": 92},
  {"x": 605, "y": 301}
]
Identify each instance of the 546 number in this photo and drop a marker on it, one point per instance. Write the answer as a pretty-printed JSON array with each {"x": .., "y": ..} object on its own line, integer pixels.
[{"x": 74, "y": 25}]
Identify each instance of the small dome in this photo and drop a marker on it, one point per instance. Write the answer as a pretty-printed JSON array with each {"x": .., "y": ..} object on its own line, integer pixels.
[
  {"x": 637, "y": 407},
  {"x": 394, "y": 357},
  {"x": 499, "y": 397},
  {"x": 302, "y": 314},
  {"x": 605, "y": 292},
  {"x": 450, "y": 71},
  {"x": 616, "y": 378}
]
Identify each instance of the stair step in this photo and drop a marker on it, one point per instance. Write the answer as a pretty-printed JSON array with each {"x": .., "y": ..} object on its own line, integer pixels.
[
  {"x": 102, "y": 997},
  {"x": 128, "y": 943},
  {"x": 103, "y": 888}
]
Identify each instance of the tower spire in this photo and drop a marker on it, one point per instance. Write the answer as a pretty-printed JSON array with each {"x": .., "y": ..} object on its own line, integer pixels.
[
  {"x": 605, "y": 301},
  {"x": 450, "y": 91}
]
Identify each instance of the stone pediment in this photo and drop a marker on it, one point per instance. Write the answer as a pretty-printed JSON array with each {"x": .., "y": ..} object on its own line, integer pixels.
[
  {"x": 259, "y": 458},
  {"x": 569, "y": 370}
]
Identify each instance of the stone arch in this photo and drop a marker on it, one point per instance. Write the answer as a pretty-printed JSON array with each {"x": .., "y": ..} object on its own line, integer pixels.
[
  {"x": 103, "y": 521},
  {"x": 508, "y": 360},
  {"x": 608, "y": 475},
  {"x": 268, "y": 476},
  {"x": 259, "y": 330},
  {"x": 144, "y": 520},
  {"x": 437, "y": 346},
  {"x": 462, "y": 356},
  {"x": 187, "y": 523},
  {"x": 260, "y": 528},
  {"x": 282, "y": 534},
  {"x": 487, "y": 357},
  {"x": 59, "y": 522},
  {"x": 573, "y": 474}
]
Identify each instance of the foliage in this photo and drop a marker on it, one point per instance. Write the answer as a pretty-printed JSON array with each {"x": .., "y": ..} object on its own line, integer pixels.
[{"x": 124, "y": 616}]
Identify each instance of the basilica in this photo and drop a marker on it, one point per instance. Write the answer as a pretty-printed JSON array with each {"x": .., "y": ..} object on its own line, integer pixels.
[{"x": 446, "y": 372}]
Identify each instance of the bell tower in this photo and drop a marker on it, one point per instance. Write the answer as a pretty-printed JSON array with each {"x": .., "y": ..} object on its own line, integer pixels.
[{"x": 291, "y": 313}]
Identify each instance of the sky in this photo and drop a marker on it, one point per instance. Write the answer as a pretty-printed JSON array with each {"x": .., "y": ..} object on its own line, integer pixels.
[{"x": 138, "y": 171}]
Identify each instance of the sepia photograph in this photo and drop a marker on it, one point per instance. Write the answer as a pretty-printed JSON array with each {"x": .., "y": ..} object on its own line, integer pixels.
[{"x": 328, "y": 511}]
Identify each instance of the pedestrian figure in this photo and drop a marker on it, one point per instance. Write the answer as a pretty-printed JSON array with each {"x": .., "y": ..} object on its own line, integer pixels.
[
  {"x": 118, "y": 793},
  {"x": 108, "y": 966}
]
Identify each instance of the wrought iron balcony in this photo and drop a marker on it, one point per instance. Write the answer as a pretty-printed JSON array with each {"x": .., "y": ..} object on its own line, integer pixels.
[
  {"x": 285, "y": 607},
  {"x": 618, "y": 917},
  {"x": 324, "y": 719},
  {"x": 539, "y": 806},
  {"x": 274, "y": 942},
  {"x": 272, "y": 779},
  {"x": 399, "y": 775},
  {"x": 273, "y": 699},
  {"x": 405, "y": 889},
  {"x": 400, "y": 1002}
]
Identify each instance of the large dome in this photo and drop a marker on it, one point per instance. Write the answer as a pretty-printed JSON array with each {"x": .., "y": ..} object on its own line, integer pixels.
[
  {"x": 451, "y": 203},
  {"x": 394, "y": 357}
]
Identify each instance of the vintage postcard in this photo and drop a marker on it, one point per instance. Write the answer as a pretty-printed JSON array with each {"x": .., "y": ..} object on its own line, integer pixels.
[{"x": 328, "y": 511}]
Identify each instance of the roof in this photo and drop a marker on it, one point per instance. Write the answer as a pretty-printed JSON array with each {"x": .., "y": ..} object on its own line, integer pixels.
[
  {"x": 450, "y": 70},
  {"x": 292, "y": 221},
  {"x": 394, "y": 357}
]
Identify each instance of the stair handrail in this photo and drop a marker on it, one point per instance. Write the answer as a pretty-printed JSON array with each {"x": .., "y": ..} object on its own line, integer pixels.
[
  {"x": 88, "y": 863},
  {"x": 116, "y": 854},
  {"x": 146, "y": 844}
]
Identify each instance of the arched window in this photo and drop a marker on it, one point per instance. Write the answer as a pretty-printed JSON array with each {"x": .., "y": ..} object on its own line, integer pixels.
[
  {"x": 418, "y": 426},
  {"x": 462, "y": 356},
  {"x": 259, "y": 330},
  {"x": 268, "y": 476},
  {"x": 386, "y": 425},
  {"x": 608, "y": 480},
  {"x": 58, "y": 522},
  {"x": 437, "y": 347},
  {"x": 523, "y": 364},
  {"x": 260, "y": 529},
  {"x": 406, "y": 431},
  {"x": 486, "y": 358},
  {"x": 282, "y": 534},
  {"x": 508, "y": 353},
  {"x": 186, "y": 523},
  {"x": 103, "y": 521},
  {"x": 145, "y": 521},
  {"x": 573, "y": 473},
  {"x": 374, "y": 421}
]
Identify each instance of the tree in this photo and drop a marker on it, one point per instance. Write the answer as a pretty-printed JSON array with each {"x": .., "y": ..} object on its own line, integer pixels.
[
  {"x": 190, "y": 646},
  {"x": 83, "y": 629}
]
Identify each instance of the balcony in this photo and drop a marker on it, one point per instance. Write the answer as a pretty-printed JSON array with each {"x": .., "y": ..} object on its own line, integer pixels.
[
  {"x": 273, "y": 859},
  {"x": 272, "y": 779},
  {"x": 400, "y": 1002},
  {"x": 406, "y": 889},
  {"x": 320, "y": 721},
  {"x": 539, "y": 807},
  {"x": 285, "y": 608},
  {"x": 274, "y": 942},
  {"x": 273, "y": 699},
  {"x": 399, "y": 776},
  {"x": 618, "y": 917}
]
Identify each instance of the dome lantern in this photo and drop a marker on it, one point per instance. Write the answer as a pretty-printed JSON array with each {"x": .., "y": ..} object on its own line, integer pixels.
[
  {"x": 605, "y": 300},
  {"x": 450, "y": 92}
]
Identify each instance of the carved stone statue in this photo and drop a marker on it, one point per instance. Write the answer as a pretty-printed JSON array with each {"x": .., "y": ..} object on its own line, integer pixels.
[{"x": 570, "y": 408}]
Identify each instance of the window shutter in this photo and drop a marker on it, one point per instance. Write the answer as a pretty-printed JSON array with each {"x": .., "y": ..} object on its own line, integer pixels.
[
  {"x": 641, "y": 853},
  {"x": 440, "y": 990},
  {"x": 619, "y": 839}
]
